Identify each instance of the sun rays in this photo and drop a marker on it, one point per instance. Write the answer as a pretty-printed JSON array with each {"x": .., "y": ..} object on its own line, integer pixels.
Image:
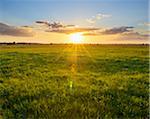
[{"x": 71, "y": 54}]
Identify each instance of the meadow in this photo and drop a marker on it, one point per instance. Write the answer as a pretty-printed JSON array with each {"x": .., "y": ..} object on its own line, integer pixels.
[{"x": 74, "y": 81}]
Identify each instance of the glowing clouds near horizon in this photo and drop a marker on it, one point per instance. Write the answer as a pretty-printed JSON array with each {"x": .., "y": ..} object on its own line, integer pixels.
[{"x": 76, "y": 38}]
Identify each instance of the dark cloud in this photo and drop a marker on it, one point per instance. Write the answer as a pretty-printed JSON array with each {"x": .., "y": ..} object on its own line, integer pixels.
[
  {"x": 118, "y": 30},
  {"x": 14, "y": 31},
  {"x": 42, "y": 22},
  {"x": 54, "y": 24}
]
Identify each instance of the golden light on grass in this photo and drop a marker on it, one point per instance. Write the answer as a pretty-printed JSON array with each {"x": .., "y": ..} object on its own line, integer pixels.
[{"x": 76, "y": 38}]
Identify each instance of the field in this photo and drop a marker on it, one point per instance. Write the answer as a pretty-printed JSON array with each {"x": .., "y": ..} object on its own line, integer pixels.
[{"x": 74, "y": 81}]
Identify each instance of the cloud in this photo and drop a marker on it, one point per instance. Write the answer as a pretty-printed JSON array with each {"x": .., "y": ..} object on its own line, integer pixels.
[
  {"x": 133, "y": 36},
  {"x": 122, "y": 32},
  {"x": 91, "y": 34},
  {"x": 54, "y": 24},
  {"x": 145, "y": 24},
  {"x": 100, "y": 16},
  {"x": 97, "y": 17},
  {"x": 136, "y": 34},
  {"x": 91, "y": 21},
  {"x": 130, "y": 36},
  {"x": 72, "y": 30},
  {"x": 15, "y": 31},
  {"x": 111, "y": 31},
  {"x": 42, "y": 22},
  {"x": 118, "y": 30},
  {"x": 58, "y": 27}
]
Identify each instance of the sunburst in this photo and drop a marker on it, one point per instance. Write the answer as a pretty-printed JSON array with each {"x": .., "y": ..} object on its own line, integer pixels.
[{"x": 76, "y": 38}]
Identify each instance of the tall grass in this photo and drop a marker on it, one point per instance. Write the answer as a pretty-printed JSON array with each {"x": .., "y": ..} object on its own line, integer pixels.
[{"x": 74, "y": 81}]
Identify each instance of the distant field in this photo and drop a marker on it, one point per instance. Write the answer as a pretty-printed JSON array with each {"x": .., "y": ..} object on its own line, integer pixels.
[{"x": 74, "y": 81}]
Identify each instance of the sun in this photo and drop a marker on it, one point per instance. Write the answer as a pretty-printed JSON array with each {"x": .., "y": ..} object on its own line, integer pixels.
[{"x": 76, "y": 38}]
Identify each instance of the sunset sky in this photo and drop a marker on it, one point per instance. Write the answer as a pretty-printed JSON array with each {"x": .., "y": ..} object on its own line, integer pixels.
[{"x": 55, "y": 21}]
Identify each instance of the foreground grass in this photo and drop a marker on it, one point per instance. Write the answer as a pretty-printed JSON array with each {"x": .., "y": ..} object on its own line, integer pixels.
[{"x": 74, "y": 81}]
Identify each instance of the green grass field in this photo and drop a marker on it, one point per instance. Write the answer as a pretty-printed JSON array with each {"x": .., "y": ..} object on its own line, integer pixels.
[{"x": 74, "y": 81}]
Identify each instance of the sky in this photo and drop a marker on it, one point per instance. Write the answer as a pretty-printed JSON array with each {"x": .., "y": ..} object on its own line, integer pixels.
[{"x": 53, "y": 21}]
